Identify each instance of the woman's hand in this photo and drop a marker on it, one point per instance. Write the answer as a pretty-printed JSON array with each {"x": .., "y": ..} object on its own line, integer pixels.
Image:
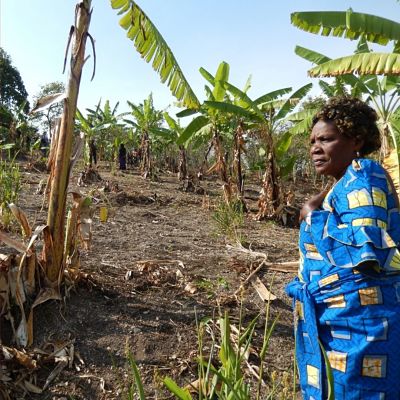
[{"x": 312, "y": 204}]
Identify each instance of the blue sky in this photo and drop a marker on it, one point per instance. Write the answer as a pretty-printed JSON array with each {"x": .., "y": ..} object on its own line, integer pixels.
[{"x": 254, "y": 36}]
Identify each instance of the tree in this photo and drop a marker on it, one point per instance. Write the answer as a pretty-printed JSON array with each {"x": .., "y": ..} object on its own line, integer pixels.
[
  {"x": 147, "y": 118},
  {"x": 46, "y": 119},
  {"x": 12, "y": 90}
]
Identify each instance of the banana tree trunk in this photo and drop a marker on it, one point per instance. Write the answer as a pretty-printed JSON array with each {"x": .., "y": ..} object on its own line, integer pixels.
[
  {"x": 146, "y": 165},
  {"x": 61, "y": 170},
  {"x": 221, "y": 167},
  {"x": 182, "y": 168},
  {"x": 237, "y": 163},
  {"x": 270, "y": 197}
]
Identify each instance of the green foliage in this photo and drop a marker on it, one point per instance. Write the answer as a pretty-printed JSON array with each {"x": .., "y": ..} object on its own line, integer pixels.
[
  {"x": 12, "y": 90},
  {"x": 152, "y": 47},
  {"x": 229, "y": 219},
  {"x": 10, "y": 187},
  {"x": 221, "y": 371},
  {"x": 353, "y": 25}
]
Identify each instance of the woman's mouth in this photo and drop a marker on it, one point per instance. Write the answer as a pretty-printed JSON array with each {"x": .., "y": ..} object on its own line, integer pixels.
[{"x": 318, "y": 163}]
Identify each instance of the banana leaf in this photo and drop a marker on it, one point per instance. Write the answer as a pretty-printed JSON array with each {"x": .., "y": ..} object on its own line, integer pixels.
[
  {"x": 153, "y": 48},
  {"x": 362, "y": 64},
  {"x": 348, "y": 24}
]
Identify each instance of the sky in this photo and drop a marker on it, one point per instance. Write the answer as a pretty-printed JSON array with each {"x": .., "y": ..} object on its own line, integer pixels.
[{"x": 254, "y": 36}]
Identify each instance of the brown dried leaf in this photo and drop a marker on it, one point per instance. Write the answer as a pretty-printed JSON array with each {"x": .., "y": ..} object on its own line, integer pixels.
[
  {"x": 21, "y": 357},
  {"x": 15, "y": 244},
  {"x": 262, "y": 291},
  {"x": 191, "y": 288},
  {"x": 22, "y": 219},
  {"x": 32, "y": 388}
]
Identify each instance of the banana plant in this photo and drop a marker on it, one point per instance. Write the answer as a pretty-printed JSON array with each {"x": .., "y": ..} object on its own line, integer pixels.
[
  {"x": 265, "y": 116},
  {"x": 175, "y": 131},
  {"x": 382, "y": 92},
  {"x": 146, "y": 118},
  {"x": 219, "y": 122}
]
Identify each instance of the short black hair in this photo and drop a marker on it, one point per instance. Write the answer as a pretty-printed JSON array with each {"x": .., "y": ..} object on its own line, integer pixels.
[{"x": 353, "y": 119}]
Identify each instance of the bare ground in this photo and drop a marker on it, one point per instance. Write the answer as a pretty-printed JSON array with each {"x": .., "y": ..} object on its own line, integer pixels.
[{"x": 135, "y": 299}]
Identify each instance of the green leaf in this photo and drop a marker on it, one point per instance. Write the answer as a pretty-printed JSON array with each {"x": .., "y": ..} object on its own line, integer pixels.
[
  {"x": 329, "y": 373},
  {"x": 195, "y": 125},
  {"x": 261, "y": 152},
  {"x": 182, "y": 394},
  {"x": 311, "y": 55},
  {"x": 118, "y": 3},
  {"x": 153, "y": 48},
  {"x": 210, "y": 79},
  {"x": 221, "y": 77},
  {"x": 348, "y": 24},
  {"x": 243, "y": 99},
  {"x": 286, "y": 166},
  {"x": 171, "y": 122},
  {"x": 362, "y": 64},
  {"x": 272, "y": 95},
  {"x": 283, "y": 144},
  {"x": 186, "y": 113},
  {"x": 290, "y": 104},
  {"x": 229, "y": 108}
]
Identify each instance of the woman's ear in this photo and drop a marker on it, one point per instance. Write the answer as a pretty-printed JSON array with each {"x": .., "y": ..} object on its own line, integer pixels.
[{"x": 358, "y": 143}]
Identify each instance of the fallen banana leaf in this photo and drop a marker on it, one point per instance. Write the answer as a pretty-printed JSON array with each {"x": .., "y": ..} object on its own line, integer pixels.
[
  {"x": 32, "y": 388},
  {"x": 19, "y": 356},
  {"x": 15, "y": 244},
  {"x": 22, "y": 219}
]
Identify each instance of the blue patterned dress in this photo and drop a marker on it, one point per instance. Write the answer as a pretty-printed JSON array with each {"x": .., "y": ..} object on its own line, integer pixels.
[{"x": 350, "y": 307}]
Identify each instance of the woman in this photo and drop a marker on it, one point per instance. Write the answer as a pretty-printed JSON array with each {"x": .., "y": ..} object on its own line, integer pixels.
[
  {"x": 122, "y": 157},
  {"x": 347, "y": 295}
]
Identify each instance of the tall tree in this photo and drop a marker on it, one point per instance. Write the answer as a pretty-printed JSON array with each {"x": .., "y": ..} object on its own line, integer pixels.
[{"x": 12, "y": 89}]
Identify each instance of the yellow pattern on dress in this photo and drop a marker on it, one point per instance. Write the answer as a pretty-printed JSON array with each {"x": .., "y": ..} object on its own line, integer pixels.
[
  {"x": 370, "y": 296},
  {"x": 337, "y": 360}
]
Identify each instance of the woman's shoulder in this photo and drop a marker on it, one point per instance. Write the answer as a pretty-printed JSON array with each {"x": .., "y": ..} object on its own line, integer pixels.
[
  {"x": 365, "y": 170},
  {"x": 363, "y": 175},
  {"x": 367, "y": 167}
]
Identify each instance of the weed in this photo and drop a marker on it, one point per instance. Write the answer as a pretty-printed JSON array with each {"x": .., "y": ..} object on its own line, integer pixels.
[
  {"x": 10, "y": 186},
  {"x": 223, "y": 372},
  {"x": 229, "y": 219}
]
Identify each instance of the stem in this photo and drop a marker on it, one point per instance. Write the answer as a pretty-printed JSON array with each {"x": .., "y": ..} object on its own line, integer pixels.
[{"x": 61, "y": 168}]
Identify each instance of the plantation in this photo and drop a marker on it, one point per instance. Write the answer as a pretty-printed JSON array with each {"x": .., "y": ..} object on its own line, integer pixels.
[{"x": 144, "y": 253}]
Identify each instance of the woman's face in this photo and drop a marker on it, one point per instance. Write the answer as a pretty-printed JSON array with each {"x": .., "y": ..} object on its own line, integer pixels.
[{"x": 331, "y": 152}]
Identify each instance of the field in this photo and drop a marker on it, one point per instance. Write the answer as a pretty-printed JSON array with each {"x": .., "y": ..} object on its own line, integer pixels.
[{"x": 153, "y": 268}]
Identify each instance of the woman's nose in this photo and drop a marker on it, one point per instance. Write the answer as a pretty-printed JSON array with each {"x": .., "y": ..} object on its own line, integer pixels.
[{"x": 315, "y": 148}]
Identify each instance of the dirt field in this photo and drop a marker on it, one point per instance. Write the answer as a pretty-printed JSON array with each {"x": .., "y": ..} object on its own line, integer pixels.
[{"x": 135, "y": 298}]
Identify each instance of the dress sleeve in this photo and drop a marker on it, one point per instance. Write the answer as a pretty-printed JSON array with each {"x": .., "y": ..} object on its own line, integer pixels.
[{"x": 356, "y": 228}]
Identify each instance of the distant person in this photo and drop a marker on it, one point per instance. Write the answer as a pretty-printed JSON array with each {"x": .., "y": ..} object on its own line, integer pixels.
[
  {"x": 44, "y": 145},
  {"x": 122, "y": 157},
  {"x": 92, "y": 153}
]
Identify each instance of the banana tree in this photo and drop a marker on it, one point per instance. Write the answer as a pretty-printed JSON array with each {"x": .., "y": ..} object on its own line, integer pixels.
[
  {"x": 146, "y": 118},
  {"x": 215, "y": 122},
  {"x": 174, "y": 132},
  {"x": 107, "y": 125},
  {"x": 382, "y": 92}
]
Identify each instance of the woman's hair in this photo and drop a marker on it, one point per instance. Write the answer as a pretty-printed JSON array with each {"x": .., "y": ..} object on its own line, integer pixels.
[{"x": 353, "y": 119}]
